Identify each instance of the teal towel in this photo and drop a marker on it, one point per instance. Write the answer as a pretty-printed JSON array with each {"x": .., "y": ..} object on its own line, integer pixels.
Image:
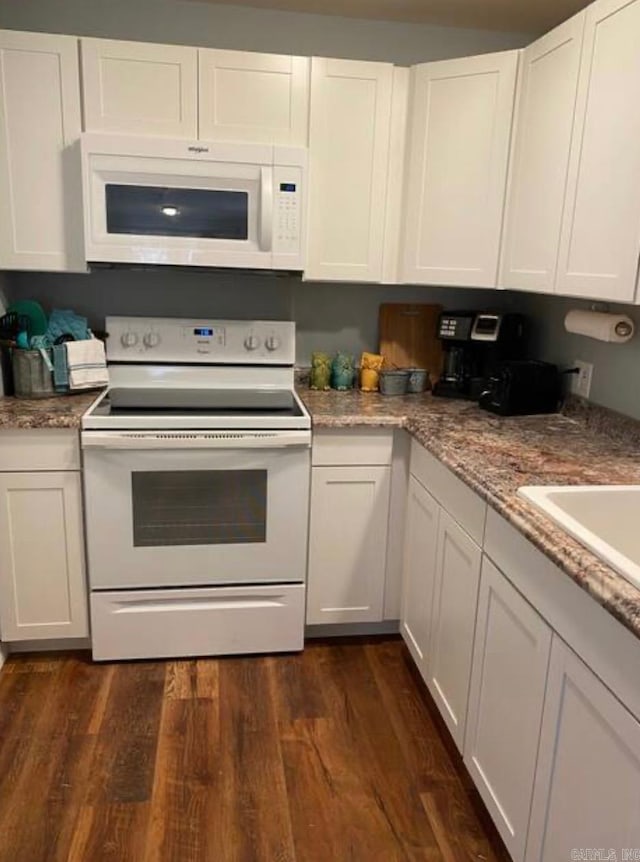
[{"x": 60, "y": 370}]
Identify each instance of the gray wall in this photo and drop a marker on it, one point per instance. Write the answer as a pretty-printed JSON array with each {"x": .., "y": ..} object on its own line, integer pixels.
[
  {"x": 616, "y": 367},
  {"x": 328, "y": 316},
  {"x": 249, "y": 29}
]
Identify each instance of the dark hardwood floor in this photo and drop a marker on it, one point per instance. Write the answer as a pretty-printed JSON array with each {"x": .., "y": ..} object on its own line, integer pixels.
[{"x": 328, "y": 756}]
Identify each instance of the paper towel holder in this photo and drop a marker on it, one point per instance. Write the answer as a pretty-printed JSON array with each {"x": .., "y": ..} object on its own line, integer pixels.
[{"x": 600, "y": 325}]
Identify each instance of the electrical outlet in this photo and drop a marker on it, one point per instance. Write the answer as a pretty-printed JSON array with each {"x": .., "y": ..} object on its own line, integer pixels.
[{"x": 581, "y": 382}]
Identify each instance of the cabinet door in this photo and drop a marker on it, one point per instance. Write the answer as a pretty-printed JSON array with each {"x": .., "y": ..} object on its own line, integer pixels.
[
  {"x": 42, "y": 573},
  {"x": 540, "y": 157},
  {"x": 460, "y": 129},
  {"x": 41, "y": 203},
  {"x": 347, "y": 544},
  {"x": 140, "y": 88},
  {"x": 510, "y": 660},
  {"x": 601, "y": 225},
  {"x": 587, "y": 787},
  {"x": 421, "y": 541},
  {"x": 348, "y": 163},
  {"x": 453, "y": 624},
  {"x": 262, "y": 98}
]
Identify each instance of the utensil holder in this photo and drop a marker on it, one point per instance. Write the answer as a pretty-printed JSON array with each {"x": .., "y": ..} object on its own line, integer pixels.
[{"x": 31, "y": 377}]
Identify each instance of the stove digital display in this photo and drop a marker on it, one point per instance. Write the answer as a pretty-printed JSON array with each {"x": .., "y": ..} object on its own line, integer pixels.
[{"x": 203, "y": 332}]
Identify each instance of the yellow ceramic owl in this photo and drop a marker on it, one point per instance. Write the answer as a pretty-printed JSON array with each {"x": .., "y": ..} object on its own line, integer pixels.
[{"x": 370, "y": 365}]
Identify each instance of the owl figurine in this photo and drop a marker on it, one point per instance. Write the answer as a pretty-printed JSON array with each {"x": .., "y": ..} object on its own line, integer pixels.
[
  {"x": 320, "y": 371},
  {"x": 343, "y": 371},
  {"x": 370, "y": 366}
]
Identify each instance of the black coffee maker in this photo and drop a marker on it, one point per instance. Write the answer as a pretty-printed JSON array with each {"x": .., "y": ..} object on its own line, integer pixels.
[{"x": 474, "y": 344}]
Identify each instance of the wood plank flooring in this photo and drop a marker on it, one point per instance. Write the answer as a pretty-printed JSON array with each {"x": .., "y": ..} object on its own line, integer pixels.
[{"x": 332, "y": 755}]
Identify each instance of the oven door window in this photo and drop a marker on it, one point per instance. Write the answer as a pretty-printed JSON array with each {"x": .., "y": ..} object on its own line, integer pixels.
[
  {"x": 199, "y": 507},
  {"x": 177, "y": 212}
]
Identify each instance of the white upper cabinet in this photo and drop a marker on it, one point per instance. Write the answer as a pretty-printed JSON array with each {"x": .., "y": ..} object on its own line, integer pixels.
[
  {"x": 140, "y": 88},
  {"x": 587, "y": 787},
  {"x": 600, "y": 238},
  {"x": 540, "y": 158},
  {"x": 349, "y": 143},
  {"x": 460, "y": 129},
  {"x": 261, "y": 98},
  {"x": 40, "y": 204}
]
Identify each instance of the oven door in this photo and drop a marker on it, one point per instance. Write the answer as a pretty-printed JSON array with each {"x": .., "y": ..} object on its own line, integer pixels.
[{"x": 205, "y": 515}]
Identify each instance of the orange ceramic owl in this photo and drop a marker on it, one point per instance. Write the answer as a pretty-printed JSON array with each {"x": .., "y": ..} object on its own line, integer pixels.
[{"x": 370, "y": 365}]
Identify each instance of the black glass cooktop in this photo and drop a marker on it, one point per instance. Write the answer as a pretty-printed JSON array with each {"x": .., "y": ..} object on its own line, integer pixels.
[{"x": 201, "y": 402}]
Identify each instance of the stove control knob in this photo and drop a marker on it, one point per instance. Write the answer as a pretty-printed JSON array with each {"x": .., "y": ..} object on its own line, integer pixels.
[
  {"x": 272, "y": 343},
  {"x": 128, "y": 339},
  {"x": 252, "y": 342},
  {"x": 151, "y": 339}
]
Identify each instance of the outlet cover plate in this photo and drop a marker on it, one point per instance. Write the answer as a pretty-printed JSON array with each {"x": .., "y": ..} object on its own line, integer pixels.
[{"x": 581, "y": 382}]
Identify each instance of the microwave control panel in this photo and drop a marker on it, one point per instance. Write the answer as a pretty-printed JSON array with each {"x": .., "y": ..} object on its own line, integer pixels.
[{"x": 287, "y": 222}]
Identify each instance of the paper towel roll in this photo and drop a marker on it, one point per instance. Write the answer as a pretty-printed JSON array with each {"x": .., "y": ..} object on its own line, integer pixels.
[{"x": 615, "y": 328}]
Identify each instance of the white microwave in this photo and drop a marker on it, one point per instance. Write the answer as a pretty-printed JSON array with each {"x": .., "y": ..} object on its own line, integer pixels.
[{"x": 183, "y": 203}]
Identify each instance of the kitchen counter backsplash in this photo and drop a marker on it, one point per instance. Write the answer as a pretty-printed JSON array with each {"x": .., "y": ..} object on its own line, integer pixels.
[{"x": 583, "y": 445}]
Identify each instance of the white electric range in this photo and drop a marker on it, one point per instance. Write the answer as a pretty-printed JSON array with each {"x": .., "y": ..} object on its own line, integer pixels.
[{"x": 196, "y": 473}]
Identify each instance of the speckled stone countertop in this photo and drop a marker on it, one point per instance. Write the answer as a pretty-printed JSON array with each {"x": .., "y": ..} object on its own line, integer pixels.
[
  {"x": 61, "y": 411},
  {"x": 497, "y": 455}
]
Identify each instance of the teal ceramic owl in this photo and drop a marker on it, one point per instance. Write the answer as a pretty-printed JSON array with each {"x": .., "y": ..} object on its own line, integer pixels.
[
  {"x": 343, "y": 371},
  {"x": 320, "y": 371}
]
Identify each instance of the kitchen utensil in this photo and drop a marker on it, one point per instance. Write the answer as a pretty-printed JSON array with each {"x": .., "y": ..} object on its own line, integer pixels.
[
  {"x": 408, "y": 336},
  {"x": 394, "y": 382},
  {"x": 33, "y": 312}
]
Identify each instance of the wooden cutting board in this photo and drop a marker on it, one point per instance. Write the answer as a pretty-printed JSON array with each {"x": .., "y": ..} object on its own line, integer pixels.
[{"x": 408, "y": 337}]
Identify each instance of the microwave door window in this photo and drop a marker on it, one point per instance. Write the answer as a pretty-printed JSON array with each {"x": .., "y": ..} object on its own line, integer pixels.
[{"x": 177, "y": 212}]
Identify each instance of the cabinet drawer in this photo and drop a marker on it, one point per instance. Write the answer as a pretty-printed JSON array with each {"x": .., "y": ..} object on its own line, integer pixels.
[
  {"x": 349, "y": 447},
  {"x": 45, "y": 449},
  {"x": 214, "y": 621},
  {"x": 468, "y": 509}
]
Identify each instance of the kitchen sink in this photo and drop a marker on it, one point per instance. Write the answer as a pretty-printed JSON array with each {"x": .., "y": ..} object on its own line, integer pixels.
[{"x": 603, "y": 518}]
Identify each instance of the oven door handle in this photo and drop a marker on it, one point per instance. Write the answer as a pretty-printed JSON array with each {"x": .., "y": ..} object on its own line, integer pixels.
[{"x": 195, "y": 440}]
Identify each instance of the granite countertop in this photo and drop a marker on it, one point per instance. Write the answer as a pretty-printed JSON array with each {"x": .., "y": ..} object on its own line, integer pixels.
[
  {"x": 60, "y": 411},
  {"x": 497, "y": 455}
]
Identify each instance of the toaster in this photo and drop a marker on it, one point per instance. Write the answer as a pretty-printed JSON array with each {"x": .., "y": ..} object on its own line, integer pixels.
[{"x": 522, "y": 387}]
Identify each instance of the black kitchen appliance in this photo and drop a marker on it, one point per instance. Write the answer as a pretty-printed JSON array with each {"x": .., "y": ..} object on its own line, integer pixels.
[
  {"x": 523, "y": 387},
  {"x": 475, "y": 343}
]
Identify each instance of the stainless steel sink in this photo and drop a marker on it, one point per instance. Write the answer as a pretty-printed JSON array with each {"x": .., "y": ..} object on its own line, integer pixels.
[{"x": 603, "y": 518}]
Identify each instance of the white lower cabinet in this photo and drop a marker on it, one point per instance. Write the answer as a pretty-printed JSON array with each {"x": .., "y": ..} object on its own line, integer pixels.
[
  {"x": 511, "y": 657},
  {"x": 587, "y": 787},
  {"x": 42, "y": 569},
  {"x": 453, "y": 622},
  {"x": 348, "y": 544},
  {"x": 421, "y": 540}
]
